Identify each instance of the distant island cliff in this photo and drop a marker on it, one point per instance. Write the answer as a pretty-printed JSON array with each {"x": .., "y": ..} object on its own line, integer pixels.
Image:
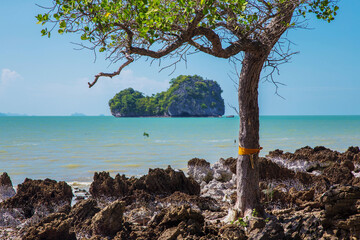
[{"x": 188, "y": 96}]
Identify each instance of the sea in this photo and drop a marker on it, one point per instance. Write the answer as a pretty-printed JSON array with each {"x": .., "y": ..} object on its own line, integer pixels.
[{"x": 73, "y": 148}]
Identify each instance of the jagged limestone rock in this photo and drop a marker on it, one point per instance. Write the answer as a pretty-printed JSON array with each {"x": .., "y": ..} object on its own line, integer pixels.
[{"x": 188, "y": 96}]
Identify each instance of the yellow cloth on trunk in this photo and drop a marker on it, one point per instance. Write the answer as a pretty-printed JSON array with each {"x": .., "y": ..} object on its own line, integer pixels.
[{"x": 248, "y": 151}]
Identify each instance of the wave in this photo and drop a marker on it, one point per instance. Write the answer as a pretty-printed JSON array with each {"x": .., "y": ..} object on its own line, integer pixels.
[{"x": 78, "y": 184}]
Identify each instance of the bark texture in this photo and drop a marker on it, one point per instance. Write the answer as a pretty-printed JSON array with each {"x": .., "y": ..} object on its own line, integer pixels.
[
  {"x": 247, "y": 176},
  {"x": 248, "y": 195}
]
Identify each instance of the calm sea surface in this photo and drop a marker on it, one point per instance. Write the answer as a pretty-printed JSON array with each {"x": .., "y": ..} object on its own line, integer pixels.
[{"x": 73, "y": 148}]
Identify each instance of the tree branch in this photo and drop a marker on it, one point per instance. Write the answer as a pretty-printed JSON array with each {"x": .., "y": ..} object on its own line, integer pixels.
[
  {"x": 217, "y": 50},
  {"x": 157, "y": 54},
  {"x": 279, "y": 23},
  {"x": 97, "y": 76}
]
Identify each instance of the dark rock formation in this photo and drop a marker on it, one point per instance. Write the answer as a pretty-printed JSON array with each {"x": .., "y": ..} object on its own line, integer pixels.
[
  {"x": 352, "y": 154},
  {"x": 230, "y": 163},
  {"x": 175, "y": 221},
  {"x": 55, "y": 226},
  {"x": 32, "y": 194},
  {"x": 272, "y": 231},
  {"x": 6, "y": 187},
  {"x": 67, "y": 225},
  {"x": 200, "y": 170},
  {"x": 167, "y": 181},
  {"x": 340, "y": 200},
  {"x": 82, "y": 212},
  {"x": 5, "y": 180},
  {"x": 330, "y": 167},
  {"x": 108, "y": 221},
  {"x": 340, "y": 173},
  {"x": 104, "y": 185},
  {"x": 232, "y": 232},
  {"x": 157, "y": 181},
  {"x": 269, "y": 170},
  {"x": 333, "y": 216},
  {"x": 170, "y": 223},
  {"x": 320, "y": 154},
  {"x": 351, "y": 225},
  {"x": 174, "y": 215},
  {"x": 198, "y": 162}
]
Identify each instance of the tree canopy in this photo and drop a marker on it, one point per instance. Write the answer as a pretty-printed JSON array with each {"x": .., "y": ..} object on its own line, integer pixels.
[{"x": 159, "y": 28}]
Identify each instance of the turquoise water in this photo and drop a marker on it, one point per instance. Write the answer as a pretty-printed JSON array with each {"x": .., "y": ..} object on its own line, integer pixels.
[{"x": 73, "y": 148}]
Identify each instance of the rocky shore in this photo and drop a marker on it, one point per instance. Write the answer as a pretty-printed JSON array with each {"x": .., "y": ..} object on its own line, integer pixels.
[{"x": 313, "y": 193}]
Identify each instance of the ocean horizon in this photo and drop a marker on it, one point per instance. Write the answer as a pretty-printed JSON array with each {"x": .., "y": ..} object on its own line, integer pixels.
[{"x": 72, "y": 148}]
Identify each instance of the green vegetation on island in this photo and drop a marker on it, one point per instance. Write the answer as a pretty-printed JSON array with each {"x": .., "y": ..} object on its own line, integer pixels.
[{"x": 187, "y": 96}]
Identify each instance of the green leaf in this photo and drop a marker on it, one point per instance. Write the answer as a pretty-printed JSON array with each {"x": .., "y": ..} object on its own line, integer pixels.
[
  {"x": 84, "y": 37},
  {"x": 62, "y": 24},
  {"x": 56, "y": 16},
  {"x": 40, "y": 19}
]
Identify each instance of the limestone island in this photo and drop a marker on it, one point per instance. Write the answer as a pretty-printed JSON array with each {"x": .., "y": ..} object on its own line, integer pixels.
[{"x": 187, "y": 96}]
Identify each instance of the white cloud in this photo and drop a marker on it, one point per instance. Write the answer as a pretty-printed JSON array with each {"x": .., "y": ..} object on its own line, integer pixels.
[{"x": 8, "y": 76}]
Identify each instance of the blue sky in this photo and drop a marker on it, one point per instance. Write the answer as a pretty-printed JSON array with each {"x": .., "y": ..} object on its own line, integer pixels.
[{"x": 41, "y": 76}]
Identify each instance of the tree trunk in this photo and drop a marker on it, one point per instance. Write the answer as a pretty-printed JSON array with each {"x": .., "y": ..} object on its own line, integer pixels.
[{"x": 248, "y": 194}]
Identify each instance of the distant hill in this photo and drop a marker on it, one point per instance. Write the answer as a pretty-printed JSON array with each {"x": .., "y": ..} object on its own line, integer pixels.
[
  {"x": 188, "y": 96},
  {"x": 12, "y": 115},
  {"x": 78, "y": 115}
]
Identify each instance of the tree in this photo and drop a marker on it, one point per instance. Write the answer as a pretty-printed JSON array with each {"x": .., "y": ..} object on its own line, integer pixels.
[{"x": 226, "y": 29}]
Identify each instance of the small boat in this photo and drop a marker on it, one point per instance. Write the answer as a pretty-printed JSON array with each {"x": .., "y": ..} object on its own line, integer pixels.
[{"x": 229, "y": 116}]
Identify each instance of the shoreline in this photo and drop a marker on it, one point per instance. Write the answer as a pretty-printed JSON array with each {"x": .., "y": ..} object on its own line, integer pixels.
[{"x": 153, "y": 206}]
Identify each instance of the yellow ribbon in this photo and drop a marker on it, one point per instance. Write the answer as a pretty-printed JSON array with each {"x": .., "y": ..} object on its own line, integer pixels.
[
  {"x": 251, "y": 152},
  {"x": 248, "y": 151}
]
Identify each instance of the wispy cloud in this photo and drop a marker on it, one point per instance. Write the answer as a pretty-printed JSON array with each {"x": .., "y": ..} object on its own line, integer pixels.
[{"x": 8, "y": 76}]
